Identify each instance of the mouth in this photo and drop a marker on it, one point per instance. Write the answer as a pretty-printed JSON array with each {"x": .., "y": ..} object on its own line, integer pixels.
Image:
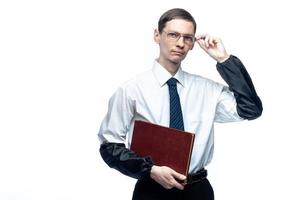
[{"x": 178, "y": 53}]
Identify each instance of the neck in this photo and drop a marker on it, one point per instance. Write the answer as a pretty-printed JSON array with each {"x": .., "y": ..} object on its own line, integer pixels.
[{"x": 171, "y": 67}]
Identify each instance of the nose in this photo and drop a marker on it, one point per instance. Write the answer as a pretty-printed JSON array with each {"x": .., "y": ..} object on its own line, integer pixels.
[{"x": 180, "y": 42}]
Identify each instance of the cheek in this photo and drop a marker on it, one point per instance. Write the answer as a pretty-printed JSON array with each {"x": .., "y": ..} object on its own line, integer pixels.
[
  {"x": 164, "y": 48},
  {"x": 188, "y": 48}
]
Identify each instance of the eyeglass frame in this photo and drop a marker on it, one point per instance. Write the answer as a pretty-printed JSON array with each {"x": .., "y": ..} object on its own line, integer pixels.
[{"x": 179, "y": 35}]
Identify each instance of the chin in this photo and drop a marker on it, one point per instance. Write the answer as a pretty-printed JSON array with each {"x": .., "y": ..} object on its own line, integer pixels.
[{"x": 177, "y": 60}]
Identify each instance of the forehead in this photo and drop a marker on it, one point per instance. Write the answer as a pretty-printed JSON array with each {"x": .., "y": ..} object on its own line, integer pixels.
[{"x": 180, "y": 25}]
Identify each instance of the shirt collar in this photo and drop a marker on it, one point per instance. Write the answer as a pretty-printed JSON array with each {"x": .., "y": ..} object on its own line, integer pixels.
[{"x": 162, "y": 75}]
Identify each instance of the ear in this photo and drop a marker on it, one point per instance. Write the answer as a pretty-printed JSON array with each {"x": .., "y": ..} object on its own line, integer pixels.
[{"x": 156, "y": 36}]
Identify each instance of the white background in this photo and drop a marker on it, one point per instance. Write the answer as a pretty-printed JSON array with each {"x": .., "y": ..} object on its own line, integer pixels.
[{"x": 62, "y": 60}]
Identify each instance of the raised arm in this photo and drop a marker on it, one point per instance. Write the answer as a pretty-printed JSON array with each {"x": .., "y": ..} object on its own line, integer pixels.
[
  {"x": 231, "y": 69},
  {"x": 249, "y": 105}
]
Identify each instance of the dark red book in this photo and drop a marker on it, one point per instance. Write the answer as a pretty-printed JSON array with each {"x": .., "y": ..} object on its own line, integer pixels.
[{"x": 166, "y": 146}]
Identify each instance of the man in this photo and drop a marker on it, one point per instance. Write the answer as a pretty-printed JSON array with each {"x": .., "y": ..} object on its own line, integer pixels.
[{"x": 199, "y": 103}]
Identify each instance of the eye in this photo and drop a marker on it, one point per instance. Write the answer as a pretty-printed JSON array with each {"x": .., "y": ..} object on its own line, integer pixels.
[
  {"x": 188, "y": 38},
  {"x": 173, "y": 35}
]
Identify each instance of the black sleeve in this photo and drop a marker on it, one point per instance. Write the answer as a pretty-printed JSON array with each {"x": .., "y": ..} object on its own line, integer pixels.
[
  {"x": 249, "y": 105},
  {"x": 117, "y": 156}
]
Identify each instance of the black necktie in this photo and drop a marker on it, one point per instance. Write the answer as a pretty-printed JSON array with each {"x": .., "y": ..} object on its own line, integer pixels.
[{"x": 176, "y": 120}]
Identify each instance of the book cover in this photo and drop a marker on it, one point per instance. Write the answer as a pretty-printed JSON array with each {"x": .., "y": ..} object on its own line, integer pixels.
[{"x": 166, "y": 146}]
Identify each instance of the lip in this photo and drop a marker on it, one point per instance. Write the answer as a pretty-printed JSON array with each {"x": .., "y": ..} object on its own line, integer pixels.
[{"x": 179, "y": 53}]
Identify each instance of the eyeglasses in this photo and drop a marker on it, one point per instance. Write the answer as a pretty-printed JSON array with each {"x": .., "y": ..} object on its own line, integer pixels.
[{"x": 174, "y": 36}]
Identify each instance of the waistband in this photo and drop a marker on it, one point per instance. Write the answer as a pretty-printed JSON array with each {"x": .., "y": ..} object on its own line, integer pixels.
[{"x": 196, "y": 177}]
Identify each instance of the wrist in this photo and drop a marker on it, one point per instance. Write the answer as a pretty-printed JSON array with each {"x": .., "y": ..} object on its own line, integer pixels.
[
  {"x": 223, "y": 58},
  {"x": 153, "y": 171}
]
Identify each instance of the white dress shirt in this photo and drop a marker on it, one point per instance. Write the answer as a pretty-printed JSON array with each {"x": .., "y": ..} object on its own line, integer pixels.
[{"x": 146, "y": 97}]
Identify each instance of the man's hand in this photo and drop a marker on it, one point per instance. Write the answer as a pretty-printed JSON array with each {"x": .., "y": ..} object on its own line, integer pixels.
[
  {"x": 213, "y": 46},
  {"x": 166, "y": 177}
]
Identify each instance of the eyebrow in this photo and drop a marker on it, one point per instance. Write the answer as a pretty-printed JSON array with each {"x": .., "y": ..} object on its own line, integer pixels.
[{"x": 186, "y": 34}]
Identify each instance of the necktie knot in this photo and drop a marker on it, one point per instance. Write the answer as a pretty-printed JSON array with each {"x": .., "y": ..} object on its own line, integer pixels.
[{"x": 172, "y": 82}]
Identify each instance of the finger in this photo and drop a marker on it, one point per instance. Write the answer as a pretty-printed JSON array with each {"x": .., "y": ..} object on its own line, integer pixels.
[
  {"x": 166, "y": 182},
  {"x": 211, "y": 41},
  {"x": 169, "y": 182},
  {"x": 167, "y": 186},
  {"x": 172, "y": 182},
  {"x": 178, "y": 185},
  {"x": 216, "y": 40},
  {"x": 206, "y": 40},
  {"x": 201, "y": 36},
  {"x": 202, "y": 44},
  {"x": 178, "y": 175}
]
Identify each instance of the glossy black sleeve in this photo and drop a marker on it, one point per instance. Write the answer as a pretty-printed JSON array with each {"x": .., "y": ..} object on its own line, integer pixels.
[
  {"x": 249, "y": 105},
  {"x": 117, "y": 156}
]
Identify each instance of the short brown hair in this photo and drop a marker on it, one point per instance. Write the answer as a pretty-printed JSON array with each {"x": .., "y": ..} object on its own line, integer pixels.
[{"x": 175, "y": 13}]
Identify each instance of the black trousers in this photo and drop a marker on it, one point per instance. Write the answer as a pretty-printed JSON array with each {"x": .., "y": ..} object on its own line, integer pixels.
[{"x": 151, "y": 190}]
